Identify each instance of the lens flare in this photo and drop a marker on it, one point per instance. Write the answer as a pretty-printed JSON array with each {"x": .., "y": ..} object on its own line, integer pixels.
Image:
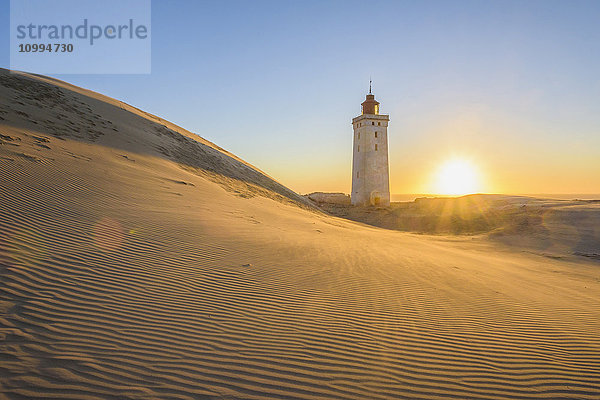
[{"x": 108, "y": 235}]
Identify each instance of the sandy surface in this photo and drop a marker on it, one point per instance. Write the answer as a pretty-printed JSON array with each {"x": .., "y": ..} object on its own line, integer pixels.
[
  {"x": 142, "y": 265},
  {"x": 555, "y": 228}
]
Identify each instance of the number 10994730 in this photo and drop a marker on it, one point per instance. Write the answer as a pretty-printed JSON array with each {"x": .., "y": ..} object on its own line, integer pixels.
[{"x": 45, "y": 48}]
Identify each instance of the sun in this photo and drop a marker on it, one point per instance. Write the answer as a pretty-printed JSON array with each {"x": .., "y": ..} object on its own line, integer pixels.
[{"x": 457, "y": 177}]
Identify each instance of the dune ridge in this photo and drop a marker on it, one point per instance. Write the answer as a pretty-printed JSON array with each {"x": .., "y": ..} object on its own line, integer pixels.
[
  {"x": 66, "y": 111},
  {"x": 124, "y": 274}
]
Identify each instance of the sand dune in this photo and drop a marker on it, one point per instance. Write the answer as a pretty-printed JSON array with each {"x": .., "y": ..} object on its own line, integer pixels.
[
  {"x": 550, "y": 227},
  {"x": 144, "y": 265}
]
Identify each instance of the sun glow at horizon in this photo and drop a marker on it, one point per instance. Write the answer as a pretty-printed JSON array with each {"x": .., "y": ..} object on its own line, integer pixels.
[{"x": 457, "y": 177}]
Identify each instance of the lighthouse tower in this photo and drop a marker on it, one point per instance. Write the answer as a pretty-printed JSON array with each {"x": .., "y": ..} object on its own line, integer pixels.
[{"x": 370, "y": 168}]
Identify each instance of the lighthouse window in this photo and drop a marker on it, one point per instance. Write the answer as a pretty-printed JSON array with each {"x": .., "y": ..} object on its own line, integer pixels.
[
  {"x": 375, "y": 147},
  {"x": 375, "y": 134}
]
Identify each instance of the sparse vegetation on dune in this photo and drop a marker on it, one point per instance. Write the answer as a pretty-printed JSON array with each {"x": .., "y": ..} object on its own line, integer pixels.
[{"x": 568, "y": 226}]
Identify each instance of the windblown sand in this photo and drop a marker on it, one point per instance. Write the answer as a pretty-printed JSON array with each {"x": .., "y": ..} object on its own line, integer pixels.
[
  {"x": 138, "y": 261},
  {"x": 550, "y": 227}
]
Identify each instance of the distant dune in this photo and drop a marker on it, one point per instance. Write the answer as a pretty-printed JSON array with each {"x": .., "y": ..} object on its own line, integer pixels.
[
  {"x": 551, "y": 227},
  {"x": 139, "y": 261}
]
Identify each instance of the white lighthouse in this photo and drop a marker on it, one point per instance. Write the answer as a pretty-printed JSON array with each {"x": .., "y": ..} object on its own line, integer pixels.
[{"x": 370, "y": 168}]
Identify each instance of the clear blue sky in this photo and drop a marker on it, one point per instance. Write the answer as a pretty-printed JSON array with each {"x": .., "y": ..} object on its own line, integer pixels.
[{"x": 512, "y": 85}]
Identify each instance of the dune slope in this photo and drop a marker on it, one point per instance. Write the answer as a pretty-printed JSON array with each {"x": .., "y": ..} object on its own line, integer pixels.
[
  {"x": 131, "y": 272},
  {"x": 555, "y": 228},
  {"x": 65, "y": 111}
]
